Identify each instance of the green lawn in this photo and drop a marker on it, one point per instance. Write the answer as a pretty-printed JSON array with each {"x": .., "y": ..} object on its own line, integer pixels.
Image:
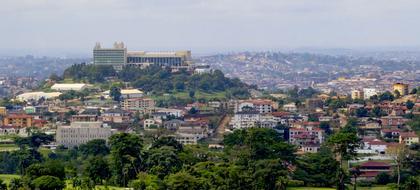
[
  {"x": 309, "y": 188},
  {"x": 8, "y": 147},
  {"x": 326, "y": 188},
  {"x": 7, "y": 177}
]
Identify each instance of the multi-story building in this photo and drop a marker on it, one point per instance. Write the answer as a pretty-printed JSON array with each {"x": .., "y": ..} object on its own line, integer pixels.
[
  {"x": 18, "y": 120},
  {"x": 84, "y": 118},
  {"x": 245, "y": 119},
  {"x": 307, "y": 139},
  {"x": 138, "y": 104},
  {"x": 116, "y": 56},
  {"x": 262, "y": 106},
  {"x": 369, "y": 92},
  {"x": 401, "y": 88},
  {"x": 82, "y": 132},
  {"x": 170, "y": 59},
  {"x": 357, "y": 94}
]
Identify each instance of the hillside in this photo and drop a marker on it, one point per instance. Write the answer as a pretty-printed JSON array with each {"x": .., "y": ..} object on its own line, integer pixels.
[{"x": 155, "y": 80}]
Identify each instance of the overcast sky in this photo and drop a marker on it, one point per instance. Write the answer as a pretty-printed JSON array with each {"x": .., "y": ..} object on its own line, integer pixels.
[{"x": 73, "y": 26}]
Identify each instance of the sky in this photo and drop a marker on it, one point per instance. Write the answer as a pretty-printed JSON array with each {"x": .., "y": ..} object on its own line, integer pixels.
[{"x": 71, "y": 27}]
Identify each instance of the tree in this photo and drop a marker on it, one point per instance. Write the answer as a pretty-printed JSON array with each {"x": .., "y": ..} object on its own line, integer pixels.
[
  {"x": 191, "y": 93},
  {"x": 397, "y": 94},
  {"x": 182, "y": 180},
  {"x": 48, "y": 183},
  {"x": 115, "y": 93},
  {"x": 3, "y": 185},
  {"x": 412, "y": 183},
  {"x": 398, "y": 153},
  {"x": 15, "y": 184},
  {"x": 326, "y": 127},
  {"x": 126, "y": 157},
  {"x": 163, "y": 161},
  {"x": 383, "y": 178},
  {"x": 344, "y": 145},
  {"x": 94, "y": 147},
  {"x": 355, "y": 172},
  {"x": 318, "y": 169},
  {"x": 258, "y": 143},
  {"x": 97, "y": 169},
  {"x": 146, "y": 181},
  {"x": 167, "y": 141},
  {"x": 50, "y": 168},
  {"x": 409, "y": 104}
]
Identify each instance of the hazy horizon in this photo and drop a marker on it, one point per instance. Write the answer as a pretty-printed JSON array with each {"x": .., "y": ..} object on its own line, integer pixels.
[{"x": 71, "y": 27}]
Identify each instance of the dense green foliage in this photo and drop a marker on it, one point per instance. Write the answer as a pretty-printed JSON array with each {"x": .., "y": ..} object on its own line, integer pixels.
[{"x": 159, "y": 80}]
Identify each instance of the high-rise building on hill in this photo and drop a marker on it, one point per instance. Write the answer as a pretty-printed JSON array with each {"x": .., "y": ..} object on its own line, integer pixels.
[
  {"x": 401, "y": 88},
  {"x": 119, "y": 56}
]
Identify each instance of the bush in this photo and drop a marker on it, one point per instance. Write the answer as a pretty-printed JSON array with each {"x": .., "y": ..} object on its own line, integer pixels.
[
  {"x": 295, "y": 183},
  {"x": 383, "y": 178},
  {"x": 47, "y": 182},
  {"x": 364, "y": 183}
]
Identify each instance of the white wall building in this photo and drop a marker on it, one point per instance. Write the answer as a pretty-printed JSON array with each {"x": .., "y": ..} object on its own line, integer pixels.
[
  {"x": 82, "y": 132},
  {"x": 68, "y": 87},
  {"x": 37, "y": 95},
  {"x": 369, "y": 92}
]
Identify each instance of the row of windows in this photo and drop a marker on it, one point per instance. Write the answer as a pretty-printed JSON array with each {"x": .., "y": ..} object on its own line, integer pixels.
[{"x": 156, "y": 60}]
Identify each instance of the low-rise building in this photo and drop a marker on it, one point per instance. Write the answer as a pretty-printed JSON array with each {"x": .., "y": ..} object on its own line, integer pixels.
[
  {"x": 190, "y": 135},
  {"x": 68, "y": 87},
  {"x": 408, "y": 138}
]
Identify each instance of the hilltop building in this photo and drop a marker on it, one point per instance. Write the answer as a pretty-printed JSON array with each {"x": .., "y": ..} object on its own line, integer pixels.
[
  {"x": 401, "y": 88},
  {"x": 118, "y": 56}
]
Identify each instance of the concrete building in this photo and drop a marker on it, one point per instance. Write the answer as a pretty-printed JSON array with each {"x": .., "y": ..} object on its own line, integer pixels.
[
  {"x": 170, "y": 59},
  {"x": 190, "y": 135},
  {"x": 245, "y": 119},
  {"x": 408, "y": 138},
  {"x": 357, "y": 94},
  {"x": 18, "y": 120},
  {"x": 115, "y": 56},
  {"x": 369, "y": 92},
  {"x": 401, "y": 88},
  {"x": 127, "y": 93},
  {"x": 138, "y": 104},
  {"x": 82, "y": 132}
]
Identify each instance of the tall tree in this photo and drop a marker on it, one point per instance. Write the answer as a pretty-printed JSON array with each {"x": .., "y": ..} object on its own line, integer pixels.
[
  {"x": 126, "y": 157},
  {"x": 398, "y": 153},
  {"x": 344, "y": 145}
]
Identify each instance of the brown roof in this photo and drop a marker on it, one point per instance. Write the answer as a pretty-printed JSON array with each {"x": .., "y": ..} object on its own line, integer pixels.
[{"x": 18, "y": 116}]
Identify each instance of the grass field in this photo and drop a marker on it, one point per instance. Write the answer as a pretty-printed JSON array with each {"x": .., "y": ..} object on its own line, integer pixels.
[
  {"x": 8, "y": 147},
  {"x": 7, "y": 177},
  {"x": 326, "y": 188}
]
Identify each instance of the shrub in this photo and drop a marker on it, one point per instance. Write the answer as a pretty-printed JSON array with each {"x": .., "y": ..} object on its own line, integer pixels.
[
  {"x": 295, "y": 183},
  {"x": 364, "y": 183}
]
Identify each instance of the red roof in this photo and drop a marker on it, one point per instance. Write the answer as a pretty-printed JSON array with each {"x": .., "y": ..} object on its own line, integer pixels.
[
  {"x": 408, "y": 134},
  {"x": 370, "y": 173},
  {"x": 280, "y": 114},
  {"x": 372, "y": 163}
]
